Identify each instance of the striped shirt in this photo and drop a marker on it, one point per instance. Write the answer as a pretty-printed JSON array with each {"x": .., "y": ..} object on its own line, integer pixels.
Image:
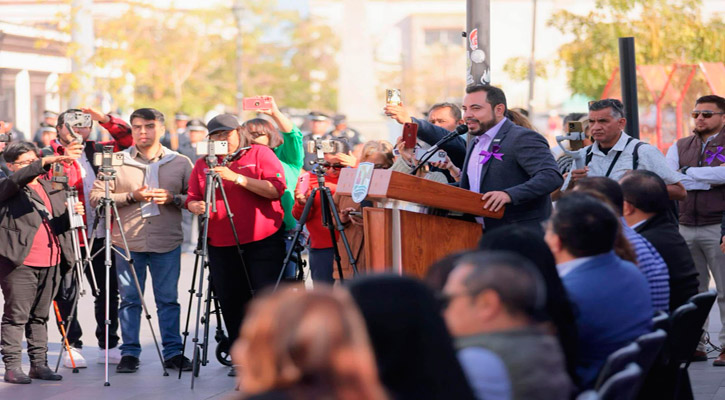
[{"x": 653, "y": 267}]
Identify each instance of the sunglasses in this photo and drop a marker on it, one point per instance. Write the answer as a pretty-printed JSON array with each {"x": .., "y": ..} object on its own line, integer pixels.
[
  {"x": 705, "y": 114},
  {"x": 605, "y": 103},
  {"x": 255, "y": 135}
]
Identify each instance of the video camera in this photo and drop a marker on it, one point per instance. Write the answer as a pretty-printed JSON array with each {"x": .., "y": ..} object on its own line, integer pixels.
[{"x": 212, "y": 148}]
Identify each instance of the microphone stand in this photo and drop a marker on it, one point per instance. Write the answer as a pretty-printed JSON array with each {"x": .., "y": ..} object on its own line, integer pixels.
[{"x": 429, "y": 153}]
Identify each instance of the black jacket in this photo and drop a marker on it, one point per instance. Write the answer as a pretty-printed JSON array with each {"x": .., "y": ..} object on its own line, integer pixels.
[
  {"x": 19, "y": 219},
  {"x": 665, "y": 237}
]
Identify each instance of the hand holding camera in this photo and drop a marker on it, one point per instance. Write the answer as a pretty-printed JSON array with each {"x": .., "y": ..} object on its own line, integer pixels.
[{"x": 226, "y": 173}]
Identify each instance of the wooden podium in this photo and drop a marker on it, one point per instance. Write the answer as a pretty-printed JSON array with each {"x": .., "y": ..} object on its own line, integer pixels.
[{"x": 407, "y": 242}]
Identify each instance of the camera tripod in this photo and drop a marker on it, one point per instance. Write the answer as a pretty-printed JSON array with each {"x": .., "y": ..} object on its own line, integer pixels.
[
  {"x": 213, "y": 181},
  {"x": 80, "y": 263},
  {"x": 108, "y": 206},
  {"x": 330, "y": 219}
]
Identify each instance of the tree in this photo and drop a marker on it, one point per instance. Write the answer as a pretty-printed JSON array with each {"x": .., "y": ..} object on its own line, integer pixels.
[
  {"x": 665, "y": 32},
  {"x": 185, "y": 59}
]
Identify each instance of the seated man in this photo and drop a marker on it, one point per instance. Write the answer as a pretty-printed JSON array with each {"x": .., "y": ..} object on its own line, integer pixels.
[
  {"x": 611, "y": 295},
  {"x": 492, "y": 297},
  {"x": 649, "y": 260}
]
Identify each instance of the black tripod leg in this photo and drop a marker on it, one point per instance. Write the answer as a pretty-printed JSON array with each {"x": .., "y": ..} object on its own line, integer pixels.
[
  {"x": 219, "y": 184},
  {"x": 192, "y": 291},
  {"x": 340, "y": 228},
  {"x": 295, "y": 238}
]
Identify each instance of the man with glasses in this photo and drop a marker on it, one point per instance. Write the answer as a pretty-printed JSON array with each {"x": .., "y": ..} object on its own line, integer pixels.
[
  {"x": 700, "y": 158},
  {"x": 490, "y": 302},
  {"x": 149, "y": 191},
  {"x": 614, "y": 152}
]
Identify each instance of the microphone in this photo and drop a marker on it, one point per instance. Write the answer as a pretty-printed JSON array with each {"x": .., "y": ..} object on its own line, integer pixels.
[
  {"x": 460, "y": 130},
  {"x": 233, "y": 156}
]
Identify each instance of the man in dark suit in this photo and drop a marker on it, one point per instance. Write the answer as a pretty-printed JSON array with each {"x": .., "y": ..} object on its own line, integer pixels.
[
  {"x": 512, "y": 166},
  {"x": 646, "y": 210}
]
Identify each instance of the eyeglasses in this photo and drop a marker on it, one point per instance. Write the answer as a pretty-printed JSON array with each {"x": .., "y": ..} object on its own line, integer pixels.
[
  {"x": 705, "y": 114},
  {"x": 605, "y": 103},
  {"x": 24, "y": 163}
]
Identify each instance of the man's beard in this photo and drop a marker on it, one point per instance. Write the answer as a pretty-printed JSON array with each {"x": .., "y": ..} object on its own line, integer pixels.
[
  {"x": 483, "y": 127},
  {"x": 706, "y": 132}
]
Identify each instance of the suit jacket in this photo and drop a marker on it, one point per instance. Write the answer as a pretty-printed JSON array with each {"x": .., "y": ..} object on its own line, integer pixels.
[
  {"x": 527, "y": 173},
  {"x": 431, "y": 134},
  {"x": 612, "y": 305},
  {"x": 665, "y": 237},
  {"x": 19, "y": 220}
]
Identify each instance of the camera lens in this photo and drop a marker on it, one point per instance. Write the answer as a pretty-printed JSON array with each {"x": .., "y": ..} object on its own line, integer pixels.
[{"x": 256, "y": 103}]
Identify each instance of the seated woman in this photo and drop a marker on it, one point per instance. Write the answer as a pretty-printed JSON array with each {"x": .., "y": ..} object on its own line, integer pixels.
[
  {"x": 380, "y": 153},
  {"x": 298, "y": 344}
]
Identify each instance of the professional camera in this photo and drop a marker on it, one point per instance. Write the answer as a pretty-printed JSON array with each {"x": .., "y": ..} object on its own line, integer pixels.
[{"x": 107, "y": 158}]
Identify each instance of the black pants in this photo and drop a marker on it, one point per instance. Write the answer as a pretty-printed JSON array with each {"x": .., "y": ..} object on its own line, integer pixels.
[
  {"x": 69, "y": 291},
  {"x": 28, "y": 293},
  {"x": 263, "y": 259}
]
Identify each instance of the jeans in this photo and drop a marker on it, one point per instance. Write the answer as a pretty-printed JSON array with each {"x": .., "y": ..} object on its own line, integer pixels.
[
  {"x": 321, "y": 264},
  {"x": 28, "y": 293},
  {"x": 69, "y": 291},
  {"x": 704, "y": 244},
  {"x": 164, "y": 269}
]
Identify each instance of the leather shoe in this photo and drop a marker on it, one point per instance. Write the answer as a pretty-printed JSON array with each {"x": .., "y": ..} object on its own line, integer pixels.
[
  {"x": 178, "y": 362},
  {"x": 699, "y": 356},
  {"x": 720, "y": 360},
  {"x": 43, "y": 372},
  {"x": 127, "y": 365},
  {"x": 16, "y": 375}
]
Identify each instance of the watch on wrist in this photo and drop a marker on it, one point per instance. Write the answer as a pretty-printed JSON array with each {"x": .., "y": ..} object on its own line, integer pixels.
[
  {"x": 178, "y": 200},
  {"x": 239, "y": 180}
]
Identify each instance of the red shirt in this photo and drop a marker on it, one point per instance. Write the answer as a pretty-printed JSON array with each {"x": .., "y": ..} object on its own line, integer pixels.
[
  {"x": 255, "y": 217},
  {"x": 45, "y": 249},
  {"x": 319, "y": 235}
]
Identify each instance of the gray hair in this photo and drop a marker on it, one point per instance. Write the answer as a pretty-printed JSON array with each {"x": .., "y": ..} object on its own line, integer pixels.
[{"x": 515, "y": 279}]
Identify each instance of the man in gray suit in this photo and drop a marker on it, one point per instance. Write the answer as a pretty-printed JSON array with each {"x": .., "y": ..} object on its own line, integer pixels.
[{"x": 511, "y": 165}]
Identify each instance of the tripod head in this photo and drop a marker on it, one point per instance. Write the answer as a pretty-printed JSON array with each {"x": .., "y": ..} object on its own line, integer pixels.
[{"x": 106, "y": 160}]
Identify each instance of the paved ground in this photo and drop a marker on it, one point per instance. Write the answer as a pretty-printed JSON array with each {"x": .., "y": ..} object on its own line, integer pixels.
[{"x": 149, "y": 383}]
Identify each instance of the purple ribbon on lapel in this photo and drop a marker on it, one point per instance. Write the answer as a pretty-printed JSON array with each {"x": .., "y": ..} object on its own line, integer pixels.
[
  {"x": 712, "y": 155},
  {"x": 494, "y": 153}
]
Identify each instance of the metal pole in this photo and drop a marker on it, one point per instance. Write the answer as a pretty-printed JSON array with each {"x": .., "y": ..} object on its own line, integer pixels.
[
  {"x": 532, "y": 64},
  {"x": 238, "y": 10},
  {"x": 478, "y": 33},
  {"x": 83, "y": 39},
  {"x": 628, "y": 78}
]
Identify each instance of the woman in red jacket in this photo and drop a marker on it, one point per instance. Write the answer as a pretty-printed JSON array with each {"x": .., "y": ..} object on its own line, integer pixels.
[
  {"x": 254, "y": 183},
  {"x": 321, "y": 245}
]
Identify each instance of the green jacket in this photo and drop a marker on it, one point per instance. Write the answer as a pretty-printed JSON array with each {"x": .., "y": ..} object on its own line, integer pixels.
[{"x": 292, "y": 156}]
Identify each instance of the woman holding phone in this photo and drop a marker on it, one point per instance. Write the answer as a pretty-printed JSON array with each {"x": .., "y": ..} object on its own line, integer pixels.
[{"x": 289, "y": 150}]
